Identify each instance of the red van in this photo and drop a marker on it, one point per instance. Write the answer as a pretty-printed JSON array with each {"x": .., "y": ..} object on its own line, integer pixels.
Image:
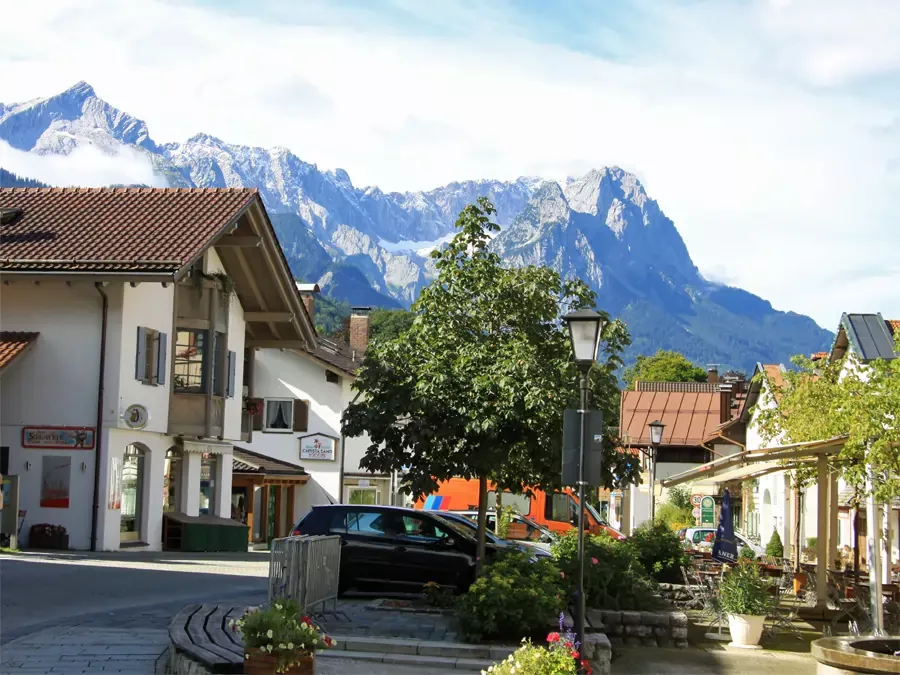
[{"x": 556, "y": 511}]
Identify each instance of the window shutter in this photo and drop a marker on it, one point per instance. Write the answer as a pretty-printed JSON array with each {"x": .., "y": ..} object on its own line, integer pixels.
[
  {"x": 301, "y": 415},
  {"x": 260, "y": 416},
  {"x": 229, "y": 387},
  {"x": 162, "y": 351},
  {"x": 140, "y": 360}
]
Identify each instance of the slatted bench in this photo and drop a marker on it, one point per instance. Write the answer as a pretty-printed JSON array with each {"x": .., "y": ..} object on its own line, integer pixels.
[{"x": 201, "y": 641}]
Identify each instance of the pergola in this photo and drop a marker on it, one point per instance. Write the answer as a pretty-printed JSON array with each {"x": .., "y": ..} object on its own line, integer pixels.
[{"x": 749, "y": 464}]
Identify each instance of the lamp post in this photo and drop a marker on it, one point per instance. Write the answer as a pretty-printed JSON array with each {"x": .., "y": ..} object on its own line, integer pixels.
[
  {"x": 656, "y": 432},
  {"x": 585, "y": 327}
]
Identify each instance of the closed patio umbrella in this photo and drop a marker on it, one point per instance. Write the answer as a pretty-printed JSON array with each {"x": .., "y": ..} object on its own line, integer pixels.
[{"x": 725, "y": 546}]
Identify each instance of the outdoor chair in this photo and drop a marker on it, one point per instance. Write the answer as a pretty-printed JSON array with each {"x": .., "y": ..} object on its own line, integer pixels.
[
  {"x": 694, "y": 589},
  {"x": 784, "y": 613}
]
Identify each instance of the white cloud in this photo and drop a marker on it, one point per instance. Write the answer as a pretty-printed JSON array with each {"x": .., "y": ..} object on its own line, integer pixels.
[
  {"x": 85, "y": 166},
  {"x": 746, "y": 121}
]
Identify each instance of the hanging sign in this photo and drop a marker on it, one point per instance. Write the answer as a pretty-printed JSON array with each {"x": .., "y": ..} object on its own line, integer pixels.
[{"x": 136, "y": 416}]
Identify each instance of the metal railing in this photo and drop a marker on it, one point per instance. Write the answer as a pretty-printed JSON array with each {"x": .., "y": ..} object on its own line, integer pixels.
[{"x": 305, "y": 569}]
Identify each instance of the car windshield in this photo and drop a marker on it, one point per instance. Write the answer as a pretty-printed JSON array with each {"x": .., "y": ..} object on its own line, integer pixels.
[{"x": 594, "y": 514}]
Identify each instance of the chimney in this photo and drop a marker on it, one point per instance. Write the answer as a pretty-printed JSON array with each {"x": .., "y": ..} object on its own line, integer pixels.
[
  {"x": 725, "y": 405},
  {"x": 359, "y": 331},
  {"x": 712, "y": 373},
  {"x": 308, "y": 296}
]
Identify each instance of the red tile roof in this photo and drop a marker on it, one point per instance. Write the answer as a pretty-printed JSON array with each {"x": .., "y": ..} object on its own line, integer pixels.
[
  {"x": 113, "y": 229},
  {"x": 13, "y": 345},
  {"x": 689, "y": 417},
  {"x": 894, "y": 325}
]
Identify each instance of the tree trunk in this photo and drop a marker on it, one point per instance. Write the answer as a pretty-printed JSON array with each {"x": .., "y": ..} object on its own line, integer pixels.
[
  {"x": 796, "y": 525},
  {"x": 482, "y": 523},
  {"x": 497, "y": 510}
]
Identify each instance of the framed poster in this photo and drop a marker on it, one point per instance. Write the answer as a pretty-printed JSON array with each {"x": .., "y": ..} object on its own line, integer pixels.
[
  {"x": 56, "y": 472},
  {"x": 114, "y": 487},
  {"x": 318, "y": 446}
]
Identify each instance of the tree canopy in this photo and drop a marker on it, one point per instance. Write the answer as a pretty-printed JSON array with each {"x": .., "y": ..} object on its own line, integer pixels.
[
  {"x": 819, "y": 401},
  {"x": 388, "y": 324},
  {"x": 664, "y": 366},
  {"x": 477, "y": 385}
]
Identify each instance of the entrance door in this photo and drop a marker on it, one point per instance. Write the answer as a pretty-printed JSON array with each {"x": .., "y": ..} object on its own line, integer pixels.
[{"x": 132, "y": 494}]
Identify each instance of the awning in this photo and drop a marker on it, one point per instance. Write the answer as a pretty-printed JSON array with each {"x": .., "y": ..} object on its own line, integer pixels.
[
  {"x": 754, "y": 463},
  {"x": 265, "y": 469},
  {"x": 13, "y": 346}
]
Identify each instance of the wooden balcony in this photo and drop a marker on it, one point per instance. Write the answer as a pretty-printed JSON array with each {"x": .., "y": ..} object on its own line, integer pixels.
[{"x": 187, "y": 416}]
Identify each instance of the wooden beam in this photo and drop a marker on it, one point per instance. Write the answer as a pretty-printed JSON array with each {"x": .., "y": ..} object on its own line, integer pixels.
[
  {"x": 277, "y": 344},
  {"x": 240, "y": 242},
  {"x": 266, "y": 317}
]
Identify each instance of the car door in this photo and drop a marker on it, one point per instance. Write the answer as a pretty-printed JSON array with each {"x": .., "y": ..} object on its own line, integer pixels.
[
  {"x": 366, "y": 547},
  {"x": 427, "y": 550}
]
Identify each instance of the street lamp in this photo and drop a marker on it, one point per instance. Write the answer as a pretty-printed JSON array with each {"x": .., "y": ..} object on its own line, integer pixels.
[
  {"x": 656, "y": 433},
  {"x": 585, "y": 327}
]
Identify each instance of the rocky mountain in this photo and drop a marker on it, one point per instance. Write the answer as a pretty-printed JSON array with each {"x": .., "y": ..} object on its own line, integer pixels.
[{"x": 366, "y": 246}]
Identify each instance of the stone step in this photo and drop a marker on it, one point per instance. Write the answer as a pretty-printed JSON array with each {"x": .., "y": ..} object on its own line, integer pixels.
[
  {"x": 395, "y": 658},
  {"x": 429, "y": 648}
]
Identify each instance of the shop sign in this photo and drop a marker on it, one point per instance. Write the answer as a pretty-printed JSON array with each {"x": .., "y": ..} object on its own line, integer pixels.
[
  {"x": 318, "y": 446},
  {"x": 58, "y": 438},
  {"x": 136, "y": 416},
  {"x": 707, "y": 512}
]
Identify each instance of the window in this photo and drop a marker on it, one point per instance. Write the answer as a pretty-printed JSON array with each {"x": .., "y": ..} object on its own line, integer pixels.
[
  {"x": 150, "y": 356},
  {"x": 559, "y": 507},
  {"x": 521, "y": 503},
  {"x": 334, "y": 378},
  {"x": 423, "y": 530},
  {"x": 190, "y": 361},
  {"x": 208, "y": 465},
  {"x": 359, "y": 522},
  {"x": 700, "y": 535},
  {"x": 362, "y": 495},
  {"x": 279, "y": 414}
]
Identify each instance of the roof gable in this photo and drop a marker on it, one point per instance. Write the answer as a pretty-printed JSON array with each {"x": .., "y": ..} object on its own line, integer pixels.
[{"x": 690, "y": 417}]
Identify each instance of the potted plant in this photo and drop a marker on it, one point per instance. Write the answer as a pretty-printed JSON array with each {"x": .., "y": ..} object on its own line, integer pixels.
[
  {"x": 744, "y": 598},
  {"x": 279, "y": 639}
]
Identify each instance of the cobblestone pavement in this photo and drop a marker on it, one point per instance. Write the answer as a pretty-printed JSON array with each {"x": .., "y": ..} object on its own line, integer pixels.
[{"x": 357, "y": 618}]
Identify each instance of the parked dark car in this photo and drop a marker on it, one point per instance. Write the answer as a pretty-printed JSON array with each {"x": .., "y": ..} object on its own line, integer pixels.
[{"x": 397, "y": 548}]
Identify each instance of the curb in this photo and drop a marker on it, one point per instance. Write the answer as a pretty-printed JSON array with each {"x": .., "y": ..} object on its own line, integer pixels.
[{"x": 419, "y": 652}]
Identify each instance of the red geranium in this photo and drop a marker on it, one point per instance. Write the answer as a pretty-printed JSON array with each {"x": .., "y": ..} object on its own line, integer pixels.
[{"x": 553, "y": 637}]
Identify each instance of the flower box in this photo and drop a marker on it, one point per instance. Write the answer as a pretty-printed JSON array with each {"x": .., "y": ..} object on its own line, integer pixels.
[
  {"x": 55, "y": 538},
  {"x": 262, "y": 663}
]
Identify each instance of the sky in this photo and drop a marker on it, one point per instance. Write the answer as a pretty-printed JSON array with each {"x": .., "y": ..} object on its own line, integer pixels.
[{"x": 768, "y": 130}]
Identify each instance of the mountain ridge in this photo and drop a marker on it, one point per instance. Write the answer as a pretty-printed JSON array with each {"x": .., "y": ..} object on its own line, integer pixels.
[{"x": 603, "y": 227}]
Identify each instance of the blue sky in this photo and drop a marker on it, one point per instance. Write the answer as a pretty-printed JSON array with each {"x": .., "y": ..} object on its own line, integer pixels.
[{"x": 768, "y": 130}]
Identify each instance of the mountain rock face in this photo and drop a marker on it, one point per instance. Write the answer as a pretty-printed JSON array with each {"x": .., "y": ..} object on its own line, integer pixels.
[{"x": 365, "y": 246}]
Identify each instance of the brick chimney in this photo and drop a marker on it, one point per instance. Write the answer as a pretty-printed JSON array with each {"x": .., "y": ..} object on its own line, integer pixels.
[
  {"x": 712, "y": 373},
  {"x": 308, "y": 296},
  {"x": 359, "y": 331}
]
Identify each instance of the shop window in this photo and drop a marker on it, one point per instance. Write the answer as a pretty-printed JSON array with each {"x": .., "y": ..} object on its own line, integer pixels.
[
  {"x": 190, "y": 361},
  {"x": 362, "y": 495},
  {"x": 208, "y": 465}
]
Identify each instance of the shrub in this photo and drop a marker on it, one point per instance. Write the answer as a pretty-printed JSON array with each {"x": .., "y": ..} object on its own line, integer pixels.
[
  {"x": 513, "y": 598},
  {"x": 775, "y": 547},
  {"x": 744, "y": 591},
  {"x": 674, "y": 517},
  {"x": 613, "y": 576},
  {"x": 680, "y": 497},
  {"x": 558, "y": 657},
  {"x": 660, "y": 551},
  {"x": 437, "y": 595},
  {"x": 747, "y": 553}
]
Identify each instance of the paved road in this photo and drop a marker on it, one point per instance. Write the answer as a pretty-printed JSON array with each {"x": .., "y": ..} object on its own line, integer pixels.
[{"x": 140, "y": 590}]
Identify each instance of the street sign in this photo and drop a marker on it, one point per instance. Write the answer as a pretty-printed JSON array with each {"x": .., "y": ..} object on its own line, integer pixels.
[
  {"x": 593, "y": 448},
  {"x": 696, "y": 512},
  {"x": 696, "y": 499},
  {"x": 707, "y": 512}
]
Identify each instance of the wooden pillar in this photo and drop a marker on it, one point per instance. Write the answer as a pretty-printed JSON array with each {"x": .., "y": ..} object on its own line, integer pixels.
[
  {"x": 278, "y": 524},
  {"x": 822, "y": 533},
  {"x": 264, "y": 513},
  {"x": 250, "y": 505},
  {"x": 291, "y": 489},
  {"x": 834, "y": 544}
]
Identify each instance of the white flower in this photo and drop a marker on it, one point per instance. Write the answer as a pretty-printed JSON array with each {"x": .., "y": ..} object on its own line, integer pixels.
[
  {"x": 290, "y": 645},
  {"x": 270, "y": 634}
]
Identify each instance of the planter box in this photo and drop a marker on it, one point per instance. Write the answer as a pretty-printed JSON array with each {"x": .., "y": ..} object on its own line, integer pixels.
[{"x": 56, "y": 542}]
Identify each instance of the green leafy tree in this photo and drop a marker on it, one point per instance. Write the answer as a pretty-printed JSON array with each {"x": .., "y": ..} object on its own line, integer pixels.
[
  {"x": 857, "y": 401},
  {"x": 477, "y": 385},
  {"x": 664, "y": 366},
  {"x": 388, "y": 324},
  {"x": 775, "y": 547}
]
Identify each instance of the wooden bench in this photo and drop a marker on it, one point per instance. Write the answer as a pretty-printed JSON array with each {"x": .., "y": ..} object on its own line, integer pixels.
[{"x": 201, "y": 634}]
